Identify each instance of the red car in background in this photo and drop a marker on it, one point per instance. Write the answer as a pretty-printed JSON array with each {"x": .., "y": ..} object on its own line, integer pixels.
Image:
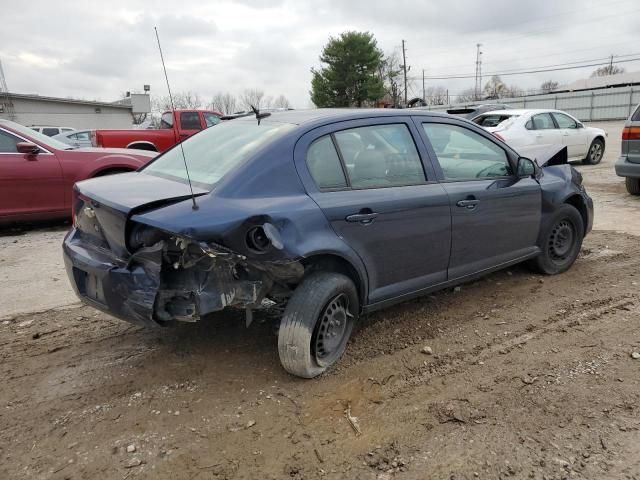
[
  {"x": 174, "y": 127},
  {"x": 37, "y": 173}
]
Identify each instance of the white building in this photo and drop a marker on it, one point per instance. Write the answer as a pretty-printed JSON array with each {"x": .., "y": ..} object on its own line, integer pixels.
[{"x": 79, "y": 114}]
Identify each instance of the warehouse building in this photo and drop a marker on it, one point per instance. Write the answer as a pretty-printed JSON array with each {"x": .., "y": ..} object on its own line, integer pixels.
[{"x": 30, "y": 110}]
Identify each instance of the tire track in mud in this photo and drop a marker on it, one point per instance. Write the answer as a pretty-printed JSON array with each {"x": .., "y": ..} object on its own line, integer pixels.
[{"x": 570, "y": 316}]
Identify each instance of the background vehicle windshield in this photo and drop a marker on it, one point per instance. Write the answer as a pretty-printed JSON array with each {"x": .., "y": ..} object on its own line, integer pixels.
[
  {"x": 37, "y": 136},
  {"x": 212, "y": 153}
]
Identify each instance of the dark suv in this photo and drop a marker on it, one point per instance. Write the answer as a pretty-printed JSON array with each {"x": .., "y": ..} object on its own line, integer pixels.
[
  {"x": 326, "y": 214},
  {"x": 628, "y": 165}
]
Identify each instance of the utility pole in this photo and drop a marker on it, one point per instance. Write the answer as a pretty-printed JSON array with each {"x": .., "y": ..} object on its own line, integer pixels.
[
  {"x": 478, "y": 87},
  {"x": 424, "y": 95},
  {"x": 404, "y": 69},
  {"x": 611, "y": 65},
  {"x": 6, "y": 98}
]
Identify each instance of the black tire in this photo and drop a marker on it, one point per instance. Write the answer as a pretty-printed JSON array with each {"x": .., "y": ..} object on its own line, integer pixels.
[
  {"x": 633, "y": 185},
  {"x": 595, "y": 152},
  {"x": 560, "y": 241},
  {"x": 304, "y": 345}
]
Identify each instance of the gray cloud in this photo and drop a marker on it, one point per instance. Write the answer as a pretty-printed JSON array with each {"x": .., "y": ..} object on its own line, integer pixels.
[{"x": 95, "y": 50}]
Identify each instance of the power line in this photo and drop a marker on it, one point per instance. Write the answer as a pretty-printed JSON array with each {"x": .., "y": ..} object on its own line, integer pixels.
[{"x": 539, "y": 70}]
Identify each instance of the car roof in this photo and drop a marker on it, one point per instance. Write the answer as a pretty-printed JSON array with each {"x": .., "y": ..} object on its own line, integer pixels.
[
  {"x": 522, "y": 111},
  {"x": 303, "y": 117}
]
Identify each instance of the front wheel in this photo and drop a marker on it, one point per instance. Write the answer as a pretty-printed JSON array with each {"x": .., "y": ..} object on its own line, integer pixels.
[
  {"x": 595, "y": 153},
  {"x": 560, "y": 242},
  {"x": 317, "y": 323}
]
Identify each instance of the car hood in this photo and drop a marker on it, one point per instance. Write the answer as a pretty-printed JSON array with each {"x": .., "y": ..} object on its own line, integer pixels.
[
  {"x": 545, "y": 155},
  {"x": 135, "y": 191}
]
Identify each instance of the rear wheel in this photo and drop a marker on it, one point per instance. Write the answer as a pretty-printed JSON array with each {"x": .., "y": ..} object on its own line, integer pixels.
[
  {"x": 317, "y": 323},
  {"x": 560, "y": 242},
  {"x": 595, "y": 153},
  {"x": 633, "y": 185}
]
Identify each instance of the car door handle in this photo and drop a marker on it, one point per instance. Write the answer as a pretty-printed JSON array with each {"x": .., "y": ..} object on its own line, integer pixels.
[
  {"x": 361, "y": 217},
  {"x": 565, "y": 134},
  {"x": 469, "y": 203},
  {"x": 539, "y": 135}
]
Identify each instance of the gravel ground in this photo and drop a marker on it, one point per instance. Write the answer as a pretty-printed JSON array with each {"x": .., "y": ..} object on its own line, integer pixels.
[{"x": 528, "y": 377}]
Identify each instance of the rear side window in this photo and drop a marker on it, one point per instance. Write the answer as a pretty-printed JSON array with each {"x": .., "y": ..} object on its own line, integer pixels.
[
  {"x": 82, "y": 136},
  {"x": 636, "y": 115},
  {"x": 380, "y": 156},
  {"x": 190, "y": 121},
  {"x": 324, "y": 164},
  {"x": 491, "y": 120},
  {"x": 8, "y": 143},
  {"x": 466, "y": 155},
  {"x": 166, "y": 121}
]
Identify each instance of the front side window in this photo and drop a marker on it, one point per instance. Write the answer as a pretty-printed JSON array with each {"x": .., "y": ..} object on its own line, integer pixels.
[
  {"x": 464, "y": 154},
  {"x": 190, "y": 121},
  {"x": 565, "y": 121},
  {"x": 211, "y": 119},
  {"x": 213, "y": 153},
  {"x": 380, "y": 156},
  {"x": 82, "y": 136},
  {"x": 8, "y": 142},
  {"x": 324, "y": 164},
  {"x": 166, "y": 121}
]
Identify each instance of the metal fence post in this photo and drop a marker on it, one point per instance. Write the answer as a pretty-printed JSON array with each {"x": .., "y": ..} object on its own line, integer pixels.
[
  {"x": 630, "y": 100},
  {"x": 591, "y": 107},
  {"x": 555, "y": 102},
  {"x": 525, "y": 103}
]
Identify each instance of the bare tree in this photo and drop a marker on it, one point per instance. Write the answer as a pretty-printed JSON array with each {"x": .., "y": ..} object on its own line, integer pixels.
[
  {"x": 436, "y": 95},
  {"x": 549, "y": 86},
  {"x": 186, "y": 99},
  {"x": 252, "y": 97},
  {"x": 281, "y": 102},
  {"x": 494, "y": 88},
  {"x": 224, "y": 102},
  {"x": 610, "y": 69},
  {"x": 513, "y": 91},
  {"x": 390, "y": 73},
  {"x": 466, "y": 96}
]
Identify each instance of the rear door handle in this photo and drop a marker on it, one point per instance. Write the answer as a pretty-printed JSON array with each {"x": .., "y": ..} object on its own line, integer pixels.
[
  {"x": 361, "y": 217},
  {"x": 468, "y": 203}
]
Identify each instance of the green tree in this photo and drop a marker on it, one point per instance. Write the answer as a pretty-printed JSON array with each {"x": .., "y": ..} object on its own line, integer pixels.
[{"x": 350, "y": 77}]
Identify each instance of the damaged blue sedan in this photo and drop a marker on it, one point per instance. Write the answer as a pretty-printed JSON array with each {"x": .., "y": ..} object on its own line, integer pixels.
[{"x": 329, "y": 214}]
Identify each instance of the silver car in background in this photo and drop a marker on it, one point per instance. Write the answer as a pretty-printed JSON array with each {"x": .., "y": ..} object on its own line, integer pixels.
[
  {"x": 628, "y": 165},
  {"x": 75, "y": 138}
]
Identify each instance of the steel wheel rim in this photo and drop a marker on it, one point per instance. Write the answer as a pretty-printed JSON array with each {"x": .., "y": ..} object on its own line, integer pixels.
[
  {"x": 331, "y": 330},
  {"x": 596, "y": 152},
  {"x": 561, "y": 241}
]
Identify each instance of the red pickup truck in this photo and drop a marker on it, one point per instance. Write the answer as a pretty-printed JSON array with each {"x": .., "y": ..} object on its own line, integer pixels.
[{"x": 174, "y": 127}]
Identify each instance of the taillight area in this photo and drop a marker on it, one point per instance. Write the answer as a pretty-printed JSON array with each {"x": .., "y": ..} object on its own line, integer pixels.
[
  {"x": 499, "y": 137},
  {"x": 631, "y": 133}
]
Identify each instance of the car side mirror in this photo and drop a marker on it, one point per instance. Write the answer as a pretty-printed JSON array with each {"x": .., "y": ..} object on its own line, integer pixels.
[
  {"x": 526, "y": 168},
  {"x": 27, "y": 148}
]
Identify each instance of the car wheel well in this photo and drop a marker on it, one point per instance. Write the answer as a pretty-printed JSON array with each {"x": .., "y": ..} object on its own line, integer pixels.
[
  {"x": 149, "y": 147},
  {"x": 334, "y": 263},
  {"x": 577, "y": 202},
  {"x": 600, "y": 137},
  {"x": 111, "y": 171}
]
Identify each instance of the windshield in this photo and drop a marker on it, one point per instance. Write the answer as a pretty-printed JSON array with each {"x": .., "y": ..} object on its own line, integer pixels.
[
  {"x": 214, "y": 152},
  {"x": 37, "y": 136}
]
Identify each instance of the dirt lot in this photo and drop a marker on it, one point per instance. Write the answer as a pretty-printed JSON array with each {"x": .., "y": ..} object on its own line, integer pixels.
[{"x": 530, "y": 377}]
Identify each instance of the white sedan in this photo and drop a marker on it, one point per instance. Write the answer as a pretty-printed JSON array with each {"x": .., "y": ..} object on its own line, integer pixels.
[{"x": 520, "y": 128}]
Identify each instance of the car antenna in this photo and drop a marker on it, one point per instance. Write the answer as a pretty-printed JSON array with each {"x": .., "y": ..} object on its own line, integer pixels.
[
  {"x": 259, "y": 116},
  {"x": 173, "y": 109}
]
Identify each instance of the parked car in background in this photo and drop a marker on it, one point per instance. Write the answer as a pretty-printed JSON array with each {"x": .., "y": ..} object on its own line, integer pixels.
[
  {"x": 174, "y": 127},
  {"x": 628, "y": 164},
  {"x": 50, "y": 131},
  {"x": 520, "y": 128},
  {"x": 75, "y": 138},
  {"x": 37, "y": 172},
  {"x": 362, "y": 210}
]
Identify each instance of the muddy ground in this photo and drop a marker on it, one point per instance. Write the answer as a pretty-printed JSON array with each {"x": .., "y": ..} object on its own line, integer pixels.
[{"x": 530, "y": 377}]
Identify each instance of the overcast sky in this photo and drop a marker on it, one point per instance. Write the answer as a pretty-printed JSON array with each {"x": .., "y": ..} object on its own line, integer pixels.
[{"x": 96, "y": 50}]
